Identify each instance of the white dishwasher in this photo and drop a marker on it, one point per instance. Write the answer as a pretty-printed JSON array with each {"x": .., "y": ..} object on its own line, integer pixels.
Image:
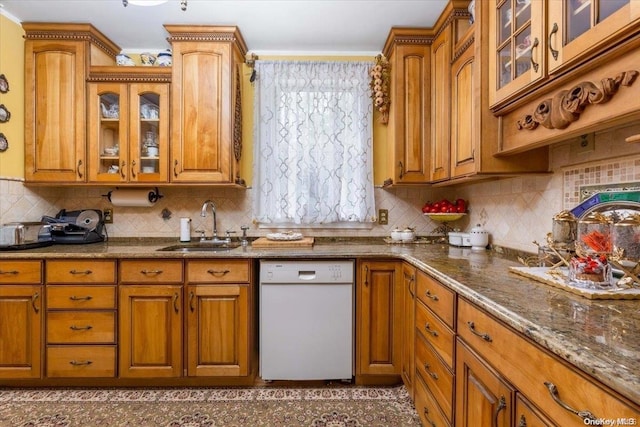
[{"x": 307, "y": 320}]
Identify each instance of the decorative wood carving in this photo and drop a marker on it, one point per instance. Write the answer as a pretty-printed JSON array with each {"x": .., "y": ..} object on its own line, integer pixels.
[
  {"x": 237, "y": 125},
  {"x": 567, "y": 105}
]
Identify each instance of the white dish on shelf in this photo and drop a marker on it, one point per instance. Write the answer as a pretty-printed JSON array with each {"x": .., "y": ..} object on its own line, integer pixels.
[{"x": 287, "y": 235}]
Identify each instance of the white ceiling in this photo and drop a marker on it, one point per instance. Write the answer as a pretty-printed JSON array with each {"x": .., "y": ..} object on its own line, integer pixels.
[{"x": 268, "y": 27}]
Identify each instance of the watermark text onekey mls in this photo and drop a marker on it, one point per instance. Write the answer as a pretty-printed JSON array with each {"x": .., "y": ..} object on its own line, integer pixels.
[{"x": 611, "y": 422}]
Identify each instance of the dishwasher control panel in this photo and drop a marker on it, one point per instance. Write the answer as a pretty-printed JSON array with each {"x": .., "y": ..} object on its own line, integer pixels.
[{"x": 324, "y": 271}]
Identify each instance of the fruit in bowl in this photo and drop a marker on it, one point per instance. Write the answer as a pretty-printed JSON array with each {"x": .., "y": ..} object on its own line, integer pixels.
[{"x": 445, "y": 206}]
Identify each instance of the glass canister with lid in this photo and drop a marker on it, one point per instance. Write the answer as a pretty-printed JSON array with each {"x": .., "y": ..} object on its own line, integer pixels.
[
  {"x": 590, "y": 267},
  {"x": 626, "y": 238},
  {"x": 564, "y": 229}
]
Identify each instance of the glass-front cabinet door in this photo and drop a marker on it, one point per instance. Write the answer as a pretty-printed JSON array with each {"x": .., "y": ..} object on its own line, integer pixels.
[
  {"x": 129, "y": 128},
  {"x": 516, "y": 39},
  {"x": 149, "y": 133},
  {"x": 108, "y": 132},
  {"x": 577, "y": 27}
]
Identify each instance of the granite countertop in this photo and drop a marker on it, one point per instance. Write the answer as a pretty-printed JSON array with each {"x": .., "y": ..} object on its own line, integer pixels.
[{"x": 601, "y": 337}]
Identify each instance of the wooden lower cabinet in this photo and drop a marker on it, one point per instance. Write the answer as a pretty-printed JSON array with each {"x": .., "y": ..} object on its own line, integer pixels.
[
  {"x": 21, "y": 319},
  {"x": 483, "y": 397},
  {"x": 150, "y": 330},
  {"x": 218, "y": 330},
  {"x": 561, "y": 393},
  {"x": 21, "y": 313},
  {"x": 379, "y": 317}
]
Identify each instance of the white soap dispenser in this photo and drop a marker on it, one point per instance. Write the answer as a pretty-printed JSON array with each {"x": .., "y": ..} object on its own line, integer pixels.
[{"x": 479, "y": 238}]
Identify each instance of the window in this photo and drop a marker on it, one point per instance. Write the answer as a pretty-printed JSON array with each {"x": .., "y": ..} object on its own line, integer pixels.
[{"x": 313, "y": 143}]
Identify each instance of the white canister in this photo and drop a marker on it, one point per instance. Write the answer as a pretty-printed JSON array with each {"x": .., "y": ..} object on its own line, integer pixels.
[
  {"x": 479, "y": 238},
  {"x": 185, "y": 229}
]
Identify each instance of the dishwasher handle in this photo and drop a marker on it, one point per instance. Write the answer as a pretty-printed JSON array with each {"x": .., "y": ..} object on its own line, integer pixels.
[{"x": 306, "y": 274}]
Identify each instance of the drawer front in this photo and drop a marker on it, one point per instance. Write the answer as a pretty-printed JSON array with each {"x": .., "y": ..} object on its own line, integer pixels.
[
  {"x": 427, "y": 408},
  {"x": 22, "y": 272},
  {"x": 533, "y": 371},
  {"x": 81, "y": 327},
  {"x": 151, "y": 271},
  {"x": 81, "y": 271},
  {"x": 81, "y": 361},
  {"x": 437, "y": 297},
  {"x": 436, "y": 376},
  {"x": 219, "y": 271},
  {"x": 435, "y": 332},
  {"x": 81, "y": 297}
]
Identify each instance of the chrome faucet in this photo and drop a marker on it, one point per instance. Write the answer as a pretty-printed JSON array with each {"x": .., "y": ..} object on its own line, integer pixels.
[{"x": 203, "y": 214}]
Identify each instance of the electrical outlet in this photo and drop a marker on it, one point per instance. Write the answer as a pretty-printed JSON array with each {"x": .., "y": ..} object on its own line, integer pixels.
[
  {"x": 383, "y": 216},
  {"x": 107, "y": 214},
  {"x": 586, "y": 143}
]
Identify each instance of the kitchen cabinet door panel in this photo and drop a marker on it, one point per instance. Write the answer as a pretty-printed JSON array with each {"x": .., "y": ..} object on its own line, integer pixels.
[
  {"x": 55, "y": 111},
  {"x": 204, "y": 94},
  {"x": 440, "y": 102},
  {"x": 20, "y": 331},
  {"x": 379, "y": 318},
  {"x": 463, "y": 120},
  {"x": 218, "y": 330},
  {"x": 150, "y": 330},
  {"x": 483, "y": 398}
]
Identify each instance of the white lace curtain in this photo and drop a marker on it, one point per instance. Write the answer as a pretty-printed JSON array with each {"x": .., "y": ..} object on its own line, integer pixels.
[{"x": 313, "y": 161}]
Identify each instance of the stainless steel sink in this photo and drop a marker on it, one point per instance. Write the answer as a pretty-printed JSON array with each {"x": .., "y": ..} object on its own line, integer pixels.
[{"x": 201, "y": 247}]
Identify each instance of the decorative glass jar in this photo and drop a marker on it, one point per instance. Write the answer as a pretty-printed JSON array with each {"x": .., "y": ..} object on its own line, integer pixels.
[
  {"x": 590, "y": 267},
  {"x": 564, "y": 229},
  {"x": 626, "y": 238}
]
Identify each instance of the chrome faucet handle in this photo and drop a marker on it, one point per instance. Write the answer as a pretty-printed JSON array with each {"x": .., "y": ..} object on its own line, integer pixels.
[
  {"x": 244, "y": 239},
  {"x": 202, "y": 235},
  {"x": 227, "y": 235}
]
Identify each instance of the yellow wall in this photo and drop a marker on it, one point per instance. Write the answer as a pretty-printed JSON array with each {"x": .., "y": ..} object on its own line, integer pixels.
[{"x": 12, "y": 66}]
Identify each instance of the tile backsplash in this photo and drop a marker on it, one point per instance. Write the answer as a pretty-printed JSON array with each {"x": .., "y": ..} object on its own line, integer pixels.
[{"x": 516, "y": 211}]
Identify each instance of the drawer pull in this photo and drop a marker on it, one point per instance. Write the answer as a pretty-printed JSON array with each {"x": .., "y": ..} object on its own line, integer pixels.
[
  {"x": 81, "y": 362},
  {"x": 80, "y": 328},
  {"x": 80, "y": 272},
  {"x": 191, "y": 298},
  {"x": 426, "y": 416},
  {"x": 431, "y": 374},
  {"x": 14, "y": 272},
  {"x": 151, "y": 272},
  {"x": 75, "y": 298},
  {"x": 218, "y": 272},
  {"x": 472, "y": 328},
  {"x": 553, "y": 391},
  {"x": 427, "y": 327},
  {"x": 34, "y": 298},
  {"x": 428, "y": 294},
  {"x": 501, "y": 405}
]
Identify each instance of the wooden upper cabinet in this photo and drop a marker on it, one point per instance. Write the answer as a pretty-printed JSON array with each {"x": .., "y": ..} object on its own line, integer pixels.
[
  {"x": 409, "y": 53},
  {"x": 518, "y": 42},
  {"x": 440, "y": 105},
  {"x": 578, "y": 29},
  {"x": 205, "y": 96},
  {"x": 534, "y": 42},
  {"x": 465, "y": 111},
  {"x": 128, "y": 124},
  {"x": 57, "y": 57}
]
